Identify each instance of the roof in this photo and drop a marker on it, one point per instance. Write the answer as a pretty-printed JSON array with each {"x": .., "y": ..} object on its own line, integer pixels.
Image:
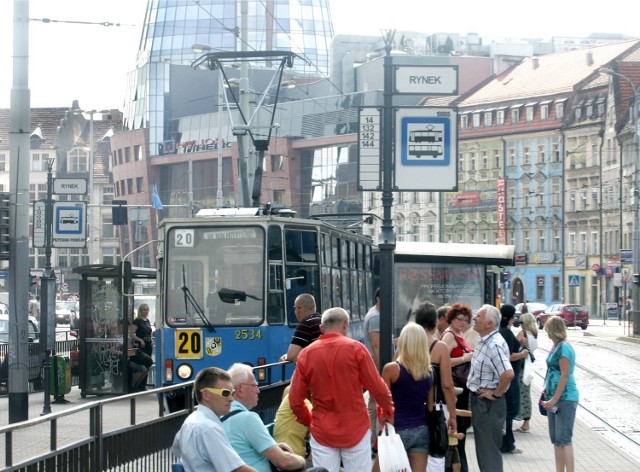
[
  {"x": 44, "y": 122},
  {"x": 548, "y": 75}
]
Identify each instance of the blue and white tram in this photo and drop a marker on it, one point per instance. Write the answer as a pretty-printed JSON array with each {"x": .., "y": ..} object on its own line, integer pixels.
[{"x": 228, "y": 280}]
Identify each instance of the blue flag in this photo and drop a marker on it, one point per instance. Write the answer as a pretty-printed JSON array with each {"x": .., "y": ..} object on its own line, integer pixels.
[{"x": 155, "y": 198}]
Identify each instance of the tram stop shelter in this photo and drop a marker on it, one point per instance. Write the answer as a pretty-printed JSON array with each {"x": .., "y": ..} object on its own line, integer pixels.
[{"x": 106, "y": 312}]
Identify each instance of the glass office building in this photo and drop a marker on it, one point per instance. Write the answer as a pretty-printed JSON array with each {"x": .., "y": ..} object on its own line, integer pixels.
[{"x": 172, "y": 27}]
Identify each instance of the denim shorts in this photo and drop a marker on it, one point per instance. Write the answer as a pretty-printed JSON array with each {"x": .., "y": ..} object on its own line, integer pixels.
[
  {"x": 415, "y": 439},
  {"x": 561, "y": 423}
]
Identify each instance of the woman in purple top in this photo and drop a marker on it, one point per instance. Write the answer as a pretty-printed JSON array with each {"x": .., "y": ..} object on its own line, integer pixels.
[{"x": 409, "y": 379}]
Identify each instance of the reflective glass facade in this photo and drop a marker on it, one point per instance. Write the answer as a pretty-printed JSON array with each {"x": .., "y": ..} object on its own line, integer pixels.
[{"x": 172, "y": 27}]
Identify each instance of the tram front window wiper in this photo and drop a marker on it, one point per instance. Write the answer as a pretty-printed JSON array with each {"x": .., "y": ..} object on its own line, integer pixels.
[
  {"x": 228, "y": 295},
  {"x": 189, "y": 299}
]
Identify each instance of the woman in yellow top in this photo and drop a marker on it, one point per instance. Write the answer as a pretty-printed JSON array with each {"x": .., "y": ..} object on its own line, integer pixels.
[{"x": 287, "y": 430}]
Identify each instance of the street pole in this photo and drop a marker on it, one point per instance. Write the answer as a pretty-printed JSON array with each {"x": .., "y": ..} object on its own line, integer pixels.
[
  {"x": 387, "y": 239},
  {"x": 219, "y": 194},
  {"x": 19, "y": 159},
  {"x": 636, "y": 216},
  {"x": 48, "y": 282}
]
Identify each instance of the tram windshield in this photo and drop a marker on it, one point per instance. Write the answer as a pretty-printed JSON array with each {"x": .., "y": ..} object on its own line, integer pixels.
[{"x": 215, "y": 276}]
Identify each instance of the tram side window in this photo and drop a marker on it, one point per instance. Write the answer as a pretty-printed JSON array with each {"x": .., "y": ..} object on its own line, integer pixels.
[
  {"x": 275, "y": 294},
  {"x": 301, "y": 246}
]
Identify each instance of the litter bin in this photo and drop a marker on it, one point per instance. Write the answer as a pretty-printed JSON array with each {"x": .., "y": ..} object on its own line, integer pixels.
[{"x": 60, "y": 376}]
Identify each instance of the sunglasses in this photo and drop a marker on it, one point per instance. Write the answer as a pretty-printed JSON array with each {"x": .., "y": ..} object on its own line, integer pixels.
[{"x": 223, "y": 392}]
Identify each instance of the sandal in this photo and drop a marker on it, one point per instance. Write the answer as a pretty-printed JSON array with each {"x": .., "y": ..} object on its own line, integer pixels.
[{"x": 521, "y": 430}]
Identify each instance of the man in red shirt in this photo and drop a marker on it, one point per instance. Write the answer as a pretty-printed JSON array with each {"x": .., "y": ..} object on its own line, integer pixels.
[{"x": 336, "y": 369}]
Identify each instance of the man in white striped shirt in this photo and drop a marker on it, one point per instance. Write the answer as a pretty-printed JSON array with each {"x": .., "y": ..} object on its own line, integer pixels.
[{"x": 489, "y": 377}]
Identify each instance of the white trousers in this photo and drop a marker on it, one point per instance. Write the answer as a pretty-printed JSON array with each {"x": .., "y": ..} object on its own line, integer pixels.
[{"x": 355, "y": 459}]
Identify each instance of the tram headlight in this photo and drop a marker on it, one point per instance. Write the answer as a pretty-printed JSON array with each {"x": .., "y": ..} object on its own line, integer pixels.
[{"x": 184, "y": 371}]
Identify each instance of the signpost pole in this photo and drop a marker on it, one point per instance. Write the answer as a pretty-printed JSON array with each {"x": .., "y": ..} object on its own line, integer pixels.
[
  {"x": 48, "y": 282},
  {"x": 387, "y": 239}
]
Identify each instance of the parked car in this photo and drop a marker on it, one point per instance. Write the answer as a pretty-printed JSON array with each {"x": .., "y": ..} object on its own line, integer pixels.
[
  {"x": 532, "y": 307},
  {"x": 573, "y": 315},
  {"x": 65, "y": 312},
  {"x": 36, "y": 353}
]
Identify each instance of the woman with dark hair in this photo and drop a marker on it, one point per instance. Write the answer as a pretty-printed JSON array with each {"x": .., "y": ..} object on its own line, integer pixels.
[
  {"x": 512, "y": 395},
  {"x": 458, "y": 317}
]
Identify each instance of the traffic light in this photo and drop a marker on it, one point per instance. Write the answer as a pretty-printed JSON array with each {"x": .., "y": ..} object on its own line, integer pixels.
[
  {"x": 4, "y": 226},
  {"x": 636, "y": 279},
  {"x": 119, "y": 213}
]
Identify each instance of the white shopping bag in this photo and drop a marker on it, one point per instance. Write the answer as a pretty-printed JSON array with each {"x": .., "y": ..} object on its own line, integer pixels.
[{"x": 391, "y": 453}]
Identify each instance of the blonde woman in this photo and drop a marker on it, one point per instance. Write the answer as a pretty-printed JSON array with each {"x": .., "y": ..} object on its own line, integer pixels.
[
  {"x": 561, "y": 394},
  {"x": 528, "y": 338},
  {"x": 409, "y": 379}
]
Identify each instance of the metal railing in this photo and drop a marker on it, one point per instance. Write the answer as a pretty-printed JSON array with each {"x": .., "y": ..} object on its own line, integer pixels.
[{"x": 131, "y": 432}]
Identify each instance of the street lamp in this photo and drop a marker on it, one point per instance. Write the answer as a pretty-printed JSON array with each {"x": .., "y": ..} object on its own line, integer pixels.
[{"x": 636, "y": 198}]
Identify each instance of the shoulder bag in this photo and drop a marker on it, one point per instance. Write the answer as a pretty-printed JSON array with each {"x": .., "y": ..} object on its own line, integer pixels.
[
  {"x": 436, "y": 420},
  {"x": 460, "y": 372}
]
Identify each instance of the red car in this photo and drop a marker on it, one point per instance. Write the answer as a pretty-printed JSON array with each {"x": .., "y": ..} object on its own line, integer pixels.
[{"x": 573, "y": 315}]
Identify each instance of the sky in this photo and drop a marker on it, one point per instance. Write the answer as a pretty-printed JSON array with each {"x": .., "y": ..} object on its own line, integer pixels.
[{"x": 89, "y": 62}]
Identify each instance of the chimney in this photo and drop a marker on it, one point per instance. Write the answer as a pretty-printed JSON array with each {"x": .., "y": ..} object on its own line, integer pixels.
[
  {"x": 535, "y": 62},
  {"x": 589, "y": 58}
]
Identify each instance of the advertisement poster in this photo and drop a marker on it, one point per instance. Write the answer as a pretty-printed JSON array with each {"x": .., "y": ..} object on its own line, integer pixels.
[{"x": 440, "y": 284}]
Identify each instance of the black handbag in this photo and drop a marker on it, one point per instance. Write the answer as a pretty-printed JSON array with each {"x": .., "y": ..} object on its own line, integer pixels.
[
  {"x": 438, "y": 431},
  {"x": 543, "y": 410},
  {"x": 436, "y": 420},
  {"x": 460, "y": 373}
]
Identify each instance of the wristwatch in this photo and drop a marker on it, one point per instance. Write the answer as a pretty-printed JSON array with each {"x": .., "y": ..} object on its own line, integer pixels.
[{"x": 496, "y": 396}]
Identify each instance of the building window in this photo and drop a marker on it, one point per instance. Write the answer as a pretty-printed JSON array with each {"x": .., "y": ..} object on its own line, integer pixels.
[
  {"x": 127, "y": 154},
  {"x": 572, "y": 244},
  {"x": 139, "y": 185},
  {"x": 485, "y": 160},
  {"x": 594, "y": 199},
  {"x": 544, "y": 112},
  {"x": 431, "y": 231},
  {"x": 512, "y": 157},
  {"x": 540, "y": 287},
  {"x": 278, "y": 197},
  {"x": 476, "y": 120},
  {"x": 542, "y": 243},
  {"x": 129, "y": 186},
  {"x": 78, "y": 160},
  {"x": 137, "y": 152},
  {"x": 277, "y": 162},
  {"x": 555, "y": 151},
  {"x": 2, "y": 162},
  {"x": 496, "y": 159},
  {"x": 572, "y": 201},
  {"x": 109, "y": 256},
  {"x": 529, "y": 113},
  {"x": 526, "y": 158},
  {"x": 559, "y": 110},
  {"x": 555, "y": 287},
  {"x": 464, "y": 121},
  {"x": 541, "y": 154},
  {"x": 472, "y": 161},
  {"x": 460, "y": 162},
  {"x": 515, "y": 115},
  {"x": 36, "y": 164},
  {"x": 500, "y": 117},
  {"x": 107, "y": 226},
  {"x": 583, "y": 243},
  {"x": 107, "y": 195},
  {"x": 526, "y": 237},
  {"x": 488, "y": 118},
  {"x": 595, "y": 247},
  {"x": 556, "y": 240}
]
